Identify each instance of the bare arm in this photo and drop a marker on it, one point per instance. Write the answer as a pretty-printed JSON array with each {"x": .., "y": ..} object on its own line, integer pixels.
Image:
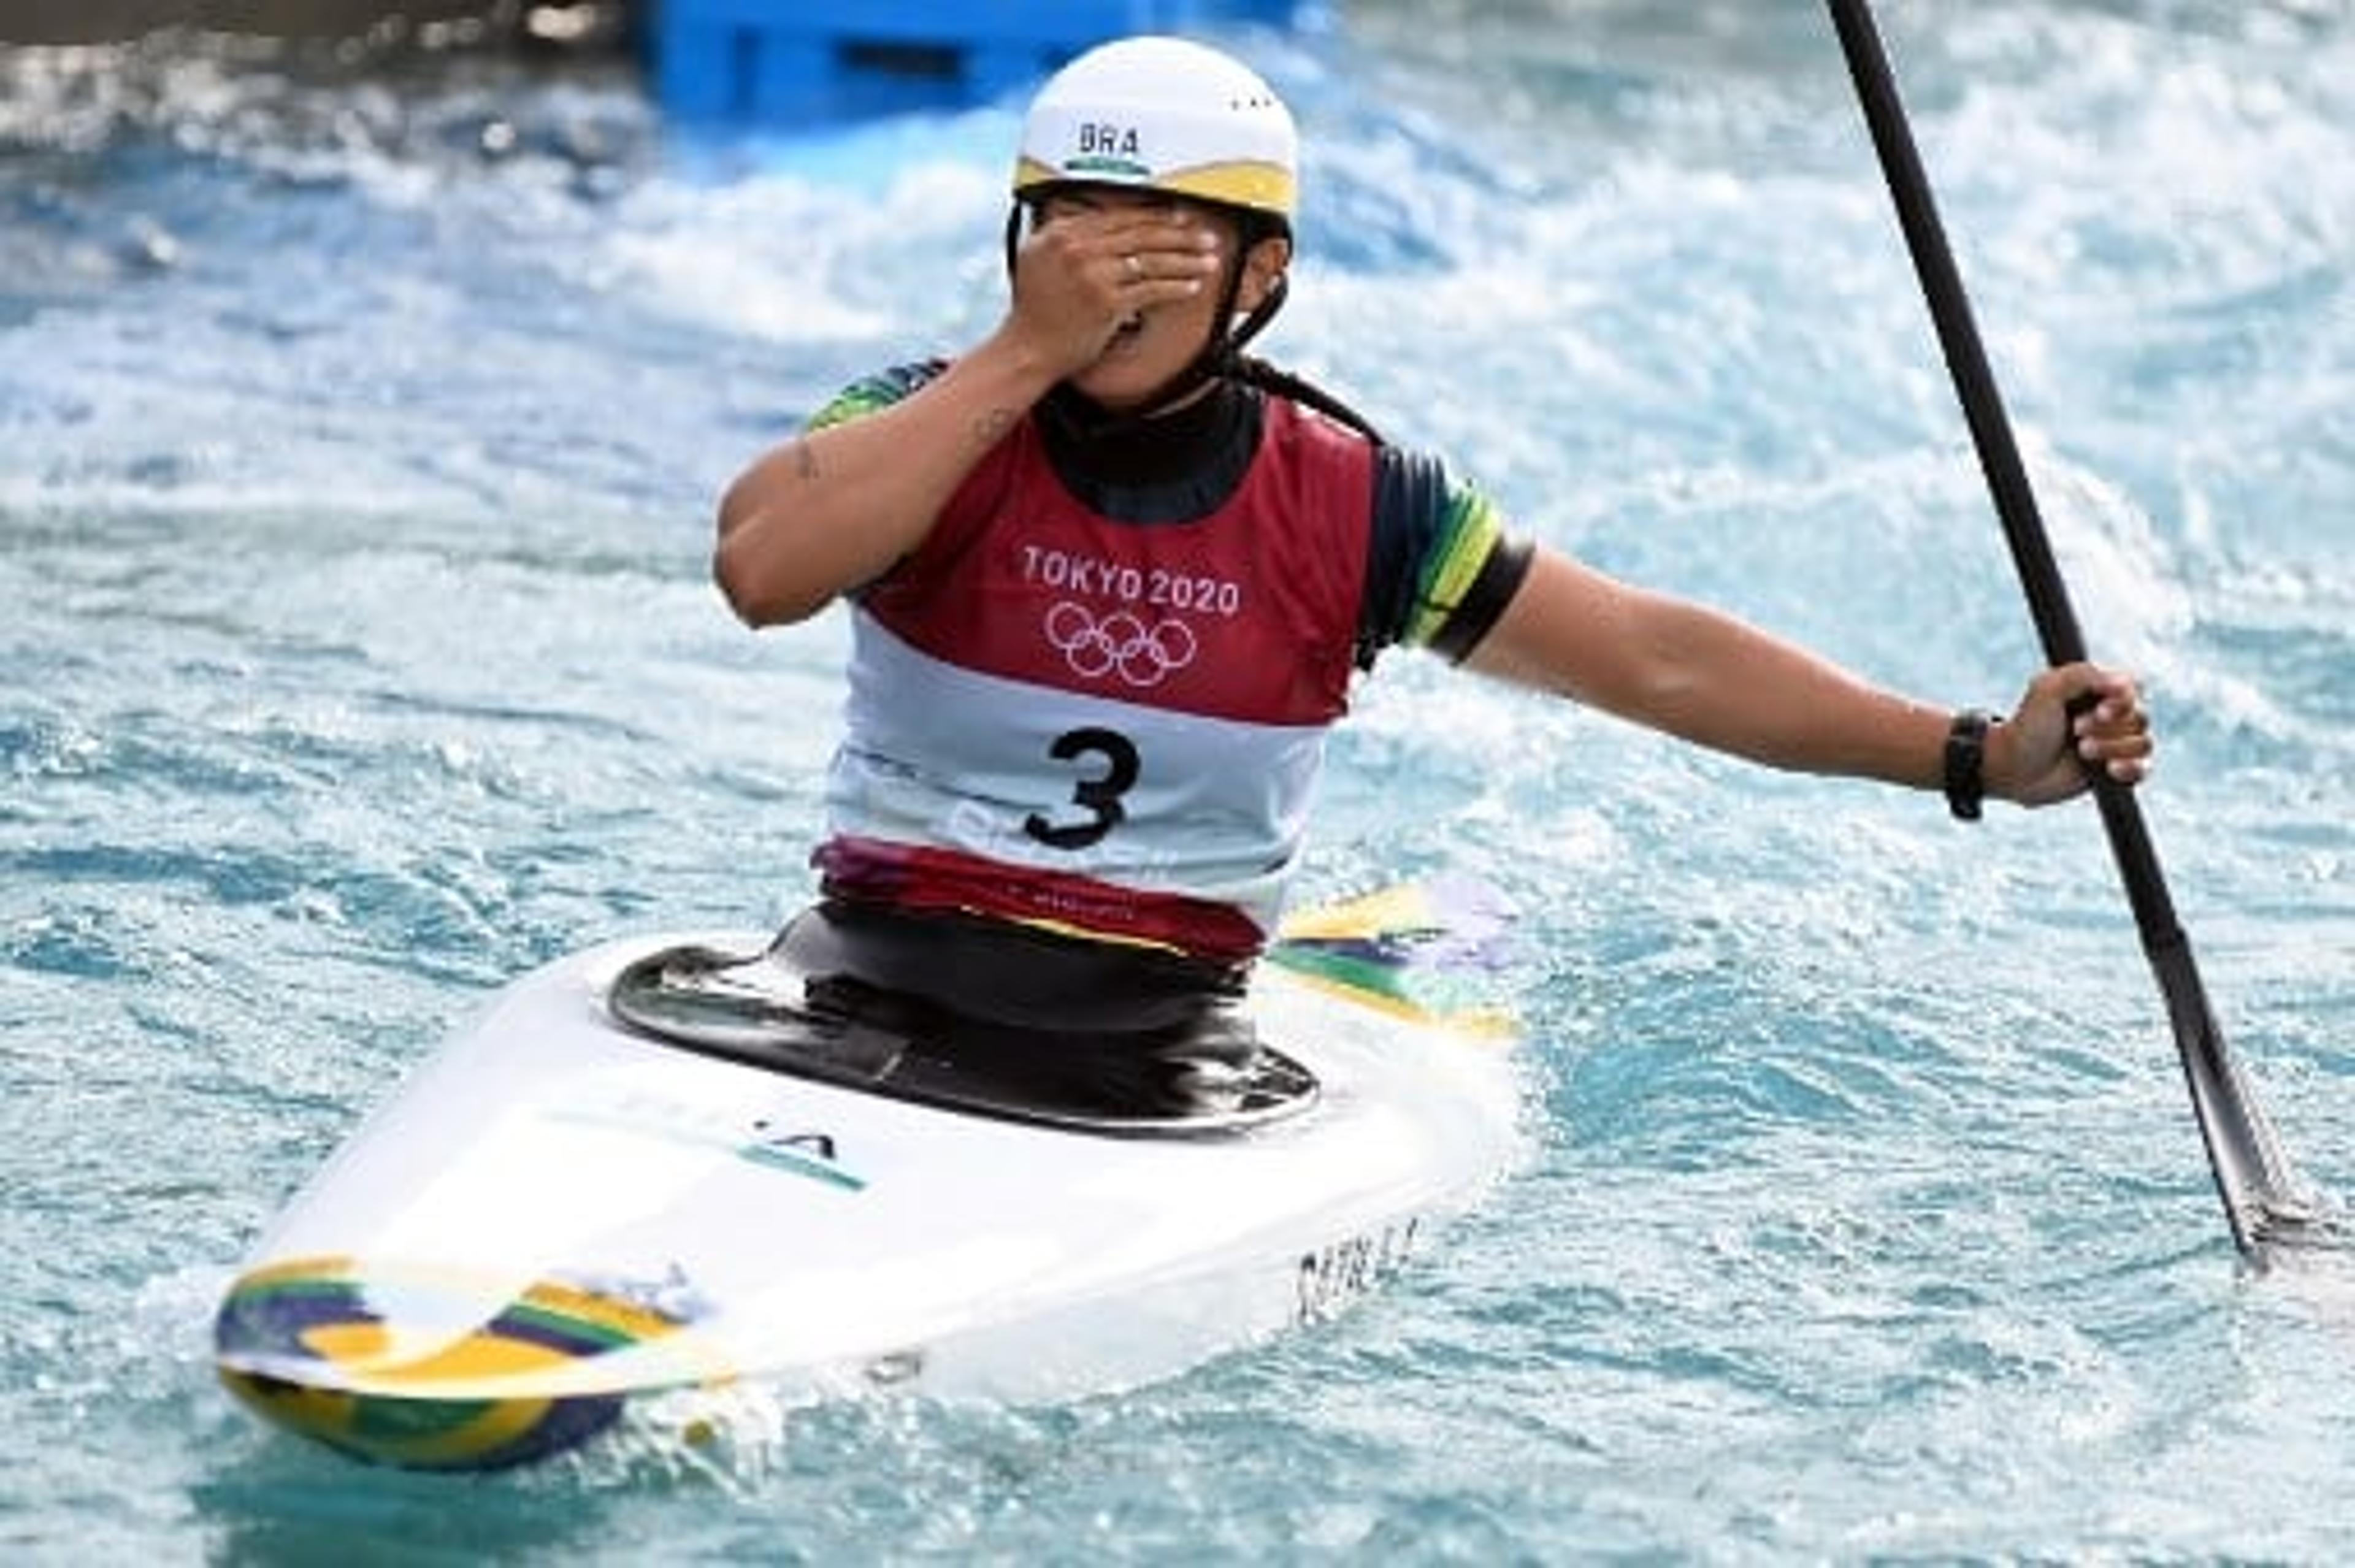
[
  {"x": 833, "y": 508},
  {"x": 1710, "y": 679}
]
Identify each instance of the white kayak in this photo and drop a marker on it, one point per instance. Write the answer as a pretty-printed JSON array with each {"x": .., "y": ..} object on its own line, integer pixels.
[{"x": 560, "y": 1214}]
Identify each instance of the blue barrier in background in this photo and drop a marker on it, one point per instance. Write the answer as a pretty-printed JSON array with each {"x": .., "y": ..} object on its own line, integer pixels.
[{"x": 802, "y": 62}]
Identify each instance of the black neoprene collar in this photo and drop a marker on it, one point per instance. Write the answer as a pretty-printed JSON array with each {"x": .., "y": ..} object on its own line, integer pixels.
[{"x": 1171, "y": 468}]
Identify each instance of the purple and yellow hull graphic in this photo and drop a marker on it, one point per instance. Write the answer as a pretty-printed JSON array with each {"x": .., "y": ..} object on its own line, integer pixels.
[{"x": 307, "y": 1344}]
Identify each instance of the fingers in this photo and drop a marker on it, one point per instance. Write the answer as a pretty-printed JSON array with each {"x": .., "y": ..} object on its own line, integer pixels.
[
  {"x": 1144, "y": 270},
  {"x": 1081, "y": 277},
  {"x": 2123, "y": 754},
  {"x": 1128, "y": 260},
  {"x": 2074, "y": 722},
  {"x": 2110, "y": 732},
  {"x": 1172, "y": 231}
]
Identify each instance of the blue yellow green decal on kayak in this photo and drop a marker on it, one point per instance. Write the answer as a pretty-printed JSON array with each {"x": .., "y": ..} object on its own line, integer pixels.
[
  {"x": 1429, "y": 951},
  {"x": 277, "y": 1321}
]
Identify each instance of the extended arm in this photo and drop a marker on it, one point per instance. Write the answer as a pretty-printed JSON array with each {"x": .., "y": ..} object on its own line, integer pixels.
[{"x": 1710, "y": 679}]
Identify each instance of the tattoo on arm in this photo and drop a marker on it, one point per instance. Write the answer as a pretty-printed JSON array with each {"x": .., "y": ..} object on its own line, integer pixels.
[
  {"x": 805, "y": 459},
  {"x": 991, "y": 427}
]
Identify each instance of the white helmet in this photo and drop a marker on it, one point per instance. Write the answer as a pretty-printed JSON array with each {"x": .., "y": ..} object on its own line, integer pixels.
[{"x": 1162, "y": 114}]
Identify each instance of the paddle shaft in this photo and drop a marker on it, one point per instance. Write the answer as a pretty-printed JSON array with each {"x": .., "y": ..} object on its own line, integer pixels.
[{"x": 2252, "y": 1174}]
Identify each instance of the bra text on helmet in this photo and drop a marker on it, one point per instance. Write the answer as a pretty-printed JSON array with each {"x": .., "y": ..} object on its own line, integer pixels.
[{"x": 1108, "y": 141}]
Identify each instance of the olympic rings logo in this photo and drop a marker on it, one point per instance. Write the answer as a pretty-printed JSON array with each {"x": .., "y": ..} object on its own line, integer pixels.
[{"x": 1120, "y": 644}]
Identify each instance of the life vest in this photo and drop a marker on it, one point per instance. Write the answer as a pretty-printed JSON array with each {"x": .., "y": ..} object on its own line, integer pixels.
[{"x": 1107, "y": 727}]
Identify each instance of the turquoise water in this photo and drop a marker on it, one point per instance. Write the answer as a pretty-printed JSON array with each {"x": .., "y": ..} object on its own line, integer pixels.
[{"x": 357, "y": 443}]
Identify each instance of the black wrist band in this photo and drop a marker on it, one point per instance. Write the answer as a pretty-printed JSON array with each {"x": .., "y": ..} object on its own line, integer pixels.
[{"x": 1967, "y": 763}]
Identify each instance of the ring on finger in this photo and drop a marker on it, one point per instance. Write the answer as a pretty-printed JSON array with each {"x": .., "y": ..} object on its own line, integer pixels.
[{"x": 1135, "y": 268}]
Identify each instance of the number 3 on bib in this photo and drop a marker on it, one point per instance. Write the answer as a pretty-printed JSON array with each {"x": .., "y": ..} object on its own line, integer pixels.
[{"x": 1100, "y": 796}]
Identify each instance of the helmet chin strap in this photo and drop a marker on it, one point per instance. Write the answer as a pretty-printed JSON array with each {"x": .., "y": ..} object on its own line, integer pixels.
[{"x": 1083, "y": 416}]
